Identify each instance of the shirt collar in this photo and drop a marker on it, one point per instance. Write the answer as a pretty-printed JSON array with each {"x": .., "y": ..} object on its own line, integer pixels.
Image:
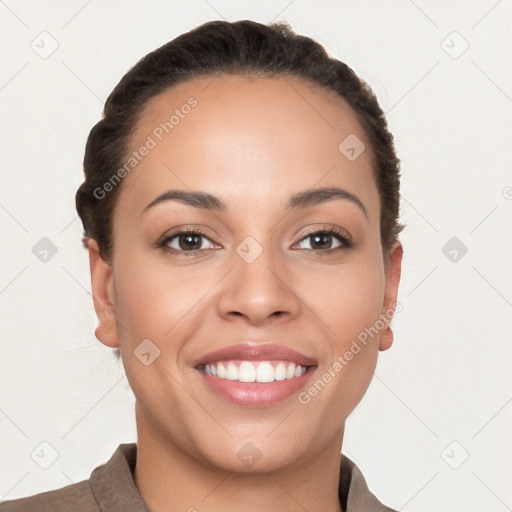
[{"x": 114, "y": 489}]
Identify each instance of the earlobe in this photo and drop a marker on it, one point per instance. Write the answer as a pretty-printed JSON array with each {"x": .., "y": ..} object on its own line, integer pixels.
[
  {"x": 102, "y": 284},
  {"x": 392, "y": 273},
  {"x": 386, "y": 339}
]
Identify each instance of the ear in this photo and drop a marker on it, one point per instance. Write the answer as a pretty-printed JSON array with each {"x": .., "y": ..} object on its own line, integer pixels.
[
  {"x": 102, "y": 283},
  {"x": 392, "y": 275}
]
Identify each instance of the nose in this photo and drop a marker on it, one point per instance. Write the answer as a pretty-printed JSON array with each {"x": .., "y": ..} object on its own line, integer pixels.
[{"x": 258, "y": 292}]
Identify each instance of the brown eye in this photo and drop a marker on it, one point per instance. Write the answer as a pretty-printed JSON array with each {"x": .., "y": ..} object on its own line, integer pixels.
[
  {"x": 322, "y": 241},
  {"x": 188, "y": 243}
]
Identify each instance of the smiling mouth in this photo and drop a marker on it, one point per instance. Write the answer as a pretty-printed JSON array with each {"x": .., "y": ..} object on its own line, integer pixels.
[
  {"x": 254, "y": 371},
  {"x": 255, "y": 374}
]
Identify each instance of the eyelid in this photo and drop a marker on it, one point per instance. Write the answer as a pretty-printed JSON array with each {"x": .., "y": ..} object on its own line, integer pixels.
[
  {"x": 328, "y": 228},
  {"x": 179, "y": 230}
]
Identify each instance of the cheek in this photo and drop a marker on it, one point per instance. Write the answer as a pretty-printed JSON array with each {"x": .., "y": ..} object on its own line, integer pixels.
[
  {"x": 349, "y": 301},
  {"x": 160, "y": 303},
  {"x": 350, "y": 304},
  {"x": 148, "y": 304},
  {"x": 157, "y": 305}
]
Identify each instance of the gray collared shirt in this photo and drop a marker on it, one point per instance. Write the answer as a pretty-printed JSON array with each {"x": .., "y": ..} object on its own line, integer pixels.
[{"x": 111, "y": 488}]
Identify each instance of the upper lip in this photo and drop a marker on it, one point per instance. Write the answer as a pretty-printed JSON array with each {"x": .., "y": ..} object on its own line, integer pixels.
[{"x": 248, "y": 351}]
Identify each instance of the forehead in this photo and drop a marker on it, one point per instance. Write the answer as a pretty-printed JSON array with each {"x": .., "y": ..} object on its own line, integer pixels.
[{"x": 246, "y": 137}]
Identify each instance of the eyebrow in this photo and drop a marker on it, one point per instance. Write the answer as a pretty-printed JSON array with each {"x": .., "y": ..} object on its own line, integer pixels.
[{"x": 301, "y": 200}]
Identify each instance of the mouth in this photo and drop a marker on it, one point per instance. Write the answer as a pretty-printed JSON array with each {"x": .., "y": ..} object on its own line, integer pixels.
[{"x": 255, "y": 375}]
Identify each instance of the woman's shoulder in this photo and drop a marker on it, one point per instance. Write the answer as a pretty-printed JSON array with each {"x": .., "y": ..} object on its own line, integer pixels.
[
  {"x": 354, "y": 492},
  {"x": 109, "y": 487},
  {"x": 78, "y": 496}
]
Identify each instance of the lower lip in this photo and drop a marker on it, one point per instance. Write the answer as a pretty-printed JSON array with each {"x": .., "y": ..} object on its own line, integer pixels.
[{"x": 256, "y": 394}]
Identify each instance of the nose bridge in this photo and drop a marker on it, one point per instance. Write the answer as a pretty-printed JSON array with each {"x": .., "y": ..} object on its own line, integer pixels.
[{"x": 257, "y": 287}]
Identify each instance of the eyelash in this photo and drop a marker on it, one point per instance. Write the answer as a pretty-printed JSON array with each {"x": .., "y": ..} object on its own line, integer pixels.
[{"x": 335, "y": 232}]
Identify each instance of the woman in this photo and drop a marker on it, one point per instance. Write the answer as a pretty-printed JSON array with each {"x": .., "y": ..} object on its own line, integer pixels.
[{"x": 240, "y": 210}]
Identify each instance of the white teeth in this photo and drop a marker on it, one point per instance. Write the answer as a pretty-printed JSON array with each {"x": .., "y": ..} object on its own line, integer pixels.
[
  {"x": 280, "y": 372},
  {"x": 264, "y": 372},
  {"x": 232, "y": 372},
  {"x": 221, "y": 371},
  {"x": 249, "y": 371},
  {"x": 246, "y": 372}
]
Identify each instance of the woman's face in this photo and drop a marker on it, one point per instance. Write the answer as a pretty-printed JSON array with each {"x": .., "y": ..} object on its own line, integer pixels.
[{"x": 258, "y": 274}]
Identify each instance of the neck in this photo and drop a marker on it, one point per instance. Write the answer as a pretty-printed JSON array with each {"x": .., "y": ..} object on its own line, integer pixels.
[{"x": 169, "y": 479}]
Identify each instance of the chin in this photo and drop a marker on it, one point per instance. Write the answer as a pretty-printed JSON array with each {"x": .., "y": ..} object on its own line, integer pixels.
[{"x": 250, "y": 460}]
